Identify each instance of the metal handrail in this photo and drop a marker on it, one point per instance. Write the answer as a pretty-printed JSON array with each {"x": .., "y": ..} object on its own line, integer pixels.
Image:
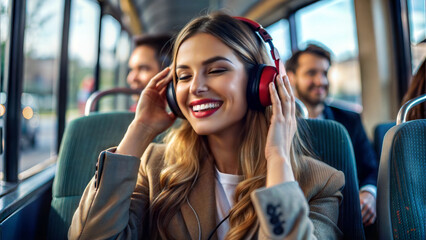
[
  {"x": 302, "y": 109},
  {"x": 94, "y": 97},
  {"x": 403, "y": 111}
]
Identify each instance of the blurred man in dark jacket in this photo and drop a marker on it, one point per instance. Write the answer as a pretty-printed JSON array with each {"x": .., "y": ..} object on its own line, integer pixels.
[{"x": 307, "y": 71}]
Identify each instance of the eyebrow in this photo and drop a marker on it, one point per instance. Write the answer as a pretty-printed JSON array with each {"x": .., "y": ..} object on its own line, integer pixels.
[
  {"x": 208, "y": 61},
  {"x": 139, "y": 66}
]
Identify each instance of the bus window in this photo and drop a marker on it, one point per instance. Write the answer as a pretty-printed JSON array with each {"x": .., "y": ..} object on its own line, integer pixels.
[
  {"x": 84, "y": 30},
  {"x": 281, "y": 34},
  {"x": 38, "y": 100},
  {"x": 122, "y": 54},
  {"x": 332, "y": 24},
  {"x": 110, "y": 34},
  {"x": 4, "y": 38},
  {"x": 417, "y": 21}
]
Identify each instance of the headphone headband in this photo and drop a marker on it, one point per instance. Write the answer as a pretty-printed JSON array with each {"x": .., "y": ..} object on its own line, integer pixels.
[
  {"x": 266, "y": 37},
  {"x": 256, "y": 27}
]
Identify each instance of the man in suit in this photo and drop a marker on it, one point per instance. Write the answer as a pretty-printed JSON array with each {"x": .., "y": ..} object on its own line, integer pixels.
[
  {"x": 307, "y": 70},
  {"x": 152, "y": 53}
]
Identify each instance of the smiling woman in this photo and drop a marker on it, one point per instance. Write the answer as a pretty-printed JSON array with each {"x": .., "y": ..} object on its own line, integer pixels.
[
  {"x": 211, "y": 81},
  {"x": 233, "y": 161},
  {"x": 229, "y": 166}
]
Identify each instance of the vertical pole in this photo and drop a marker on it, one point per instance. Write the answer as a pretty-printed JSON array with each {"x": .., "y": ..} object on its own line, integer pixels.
[
  {"x": 399, "y": 17},
  {"x": 293, "y": 32},
  {"x": 98, "y": 62},
  {"x": 63, "y": 74},
  {"x": 14, "y": 78}
]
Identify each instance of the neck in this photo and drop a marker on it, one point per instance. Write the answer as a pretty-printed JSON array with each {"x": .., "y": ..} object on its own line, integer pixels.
[
  {"x": 315, "y": 110},
  {"x": 224, "y": 149}
]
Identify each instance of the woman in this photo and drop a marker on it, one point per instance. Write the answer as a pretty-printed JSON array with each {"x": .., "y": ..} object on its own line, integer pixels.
[{"x": 227, "y": 171}]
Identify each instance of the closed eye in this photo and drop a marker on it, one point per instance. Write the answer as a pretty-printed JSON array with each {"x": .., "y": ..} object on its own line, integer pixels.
[
  {"x": 183, "y": 77},
  {"x": 217, "y": 71}
]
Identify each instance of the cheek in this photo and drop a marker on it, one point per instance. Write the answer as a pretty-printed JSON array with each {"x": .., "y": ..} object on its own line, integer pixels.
[
  {"x": 304, "y": 82},
  {"x": 141, "y": 75},
  {"x": 236, "y": 90},
  {"x": 145, "y": 74}
]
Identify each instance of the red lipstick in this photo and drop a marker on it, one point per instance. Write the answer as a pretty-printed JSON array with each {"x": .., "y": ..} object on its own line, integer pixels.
[{"x": 204, "y": 107}]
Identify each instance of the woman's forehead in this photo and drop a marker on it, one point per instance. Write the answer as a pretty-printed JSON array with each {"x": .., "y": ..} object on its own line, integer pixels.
[{"x": 202, "y": 46}]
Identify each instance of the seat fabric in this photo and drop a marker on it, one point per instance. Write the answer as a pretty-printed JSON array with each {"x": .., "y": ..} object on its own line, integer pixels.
[
  {"x": 331, "y": 143},
  {"x": 401, "y": 198},
  {"x": 83, "y": 140}
]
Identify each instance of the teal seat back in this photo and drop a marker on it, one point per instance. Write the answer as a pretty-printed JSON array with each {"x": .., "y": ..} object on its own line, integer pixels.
[
  {"x": 331, "y": 143},
  {"x": 83, "y": 140},
  {"x": 379, "y": 134},
  {"x": 401, "y": 198}
]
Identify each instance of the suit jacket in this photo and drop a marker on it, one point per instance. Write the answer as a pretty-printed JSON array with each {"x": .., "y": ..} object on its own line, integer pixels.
[
  {"x": 119, "y": 195},
  {"x": 365, "y": 157}
]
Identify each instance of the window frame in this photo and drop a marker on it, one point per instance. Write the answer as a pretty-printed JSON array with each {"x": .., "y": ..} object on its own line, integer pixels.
[{"x": 14, "y": 80}]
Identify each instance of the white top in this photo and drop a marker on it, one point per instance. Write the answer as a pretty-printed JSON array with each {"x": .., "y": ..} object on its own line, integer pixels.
[{"x": 224, "y": 190}]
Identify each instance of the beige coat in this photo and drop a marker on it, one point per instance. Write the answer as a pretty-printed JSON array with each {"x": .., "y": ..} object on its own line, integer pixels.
[{"x": 118, "y": 196}]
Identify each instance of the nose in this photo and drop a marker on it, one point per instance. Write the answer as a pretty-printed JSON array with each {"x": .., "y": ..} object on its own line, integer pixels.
[{"x": 198, "y": 84}]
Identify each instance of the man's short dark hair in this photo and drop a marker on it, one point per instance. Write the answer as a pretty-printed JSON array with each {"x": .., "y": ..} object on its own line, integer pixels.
[
  {"x": 161, "y": 43},
  {"x": 293, "y": 62}
]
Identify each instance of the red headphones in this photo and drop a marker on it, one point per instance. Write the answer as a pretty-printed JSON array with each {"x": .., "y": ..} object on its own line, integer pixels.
[{"x": 260, "y": 76}]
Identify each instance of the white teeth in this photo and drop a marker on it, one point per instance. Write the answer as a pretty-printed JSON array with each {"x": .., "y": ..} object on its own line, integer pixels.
[{"x": 205, "y": 106}]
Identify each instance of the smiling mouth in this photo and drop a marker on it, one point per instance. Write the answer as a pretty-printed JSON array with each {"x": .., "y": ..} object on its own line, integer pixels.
[
  {"x": 205, "y": 109},
  {"x": 205, "y": 106}
]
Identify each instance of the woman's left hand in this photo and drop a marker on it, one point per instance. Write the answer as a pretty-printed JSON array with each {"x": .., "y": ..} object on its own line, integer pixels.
[{"x": 281, "y": 132}]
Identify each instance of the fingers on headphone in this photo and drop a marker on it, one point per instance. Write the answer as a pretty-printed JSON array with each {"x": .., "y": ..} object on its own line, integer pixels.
[
  {"x": 163, "y": 92},
  {"x": 162, "y": 83},
  {"x": 275, "y": 99},
  {"x": 161, "y": 75},
  {"x": 282, "y": 90},
  {"x": 291, "y": 95},
  {"x": 284, "y": 96}
]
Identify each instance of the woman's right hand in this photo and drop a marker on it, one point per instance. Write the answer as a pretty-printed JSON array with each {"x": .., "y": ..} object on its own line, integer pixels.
[
  {"x": 151, "y": 117},
  {"x": 151, "y": 109}
]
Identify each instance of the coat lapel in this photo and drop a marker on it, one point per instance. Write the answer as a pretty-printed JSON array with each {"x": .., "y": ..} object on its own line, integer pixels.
[
  {"x": 328, "y": 112},
  {"x": 202, "y": 199}
]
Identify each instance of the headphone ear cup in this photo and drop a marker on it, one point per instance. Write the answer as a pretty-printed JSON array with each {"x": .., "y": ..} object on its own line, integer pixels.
[
  {"x": 255, "y": 74},
  {"x": 258, "y": 96},
  {"x": 268, "y": 75},
  {"x": 171, "y": 100}
]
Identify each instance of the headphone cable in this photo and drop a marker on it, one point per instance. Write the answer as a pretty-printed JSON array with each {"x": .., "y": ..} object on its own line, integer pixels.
[{"x": 217, "y": 226}]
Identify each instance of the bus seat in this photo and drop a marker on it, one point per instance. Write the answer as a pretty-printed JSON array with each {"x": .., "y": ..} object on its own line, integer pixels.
[
  {"x": 83, "y": 140},
  {"x": 401, "y": 197},
  {"x": 331, "y": 143},
  {"x": 379, "y": 134}
]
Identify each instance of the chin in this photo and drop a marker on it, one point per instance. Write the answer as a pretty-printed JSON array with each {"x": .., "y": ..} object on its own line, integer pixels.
[{"x": 203, "y": 130}]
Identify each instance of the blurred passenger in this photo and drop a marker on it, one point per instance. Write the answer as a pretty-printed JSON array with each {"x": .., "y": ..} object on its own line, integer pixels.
[
  {"x": 307, "y": 70},
  {"x": 150, "y": 55},
  {"x": 230, "y": 170},
  {"x": 86, "y": 88},
  {"x": 417, "y": 88}
]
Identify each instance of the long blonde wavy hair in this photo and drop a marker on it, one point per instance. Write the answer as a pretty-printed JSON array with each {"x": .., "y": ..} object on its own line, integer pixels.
[{"x": 185, "y": 148}]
